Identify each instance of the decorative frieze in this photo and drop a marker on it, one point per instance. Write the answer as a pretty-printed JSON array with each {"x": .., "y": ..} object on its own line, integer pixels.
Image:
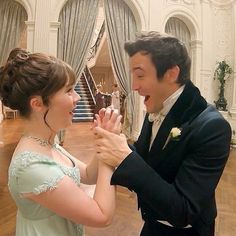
[
  {"x": 223, "y": 34},
  {"x": 188, "y": 2},
  {"x": 221, "y": 3},
  {"x": 191, "y": 4}
]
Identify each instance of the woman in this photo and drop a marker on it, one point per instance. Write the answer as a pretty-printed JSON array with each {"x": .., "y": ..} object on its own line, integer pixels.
[
  {"x": 115, "y": 98},
  {"x": 100, "y": 99},
  {"x": 44, "y": 179}
]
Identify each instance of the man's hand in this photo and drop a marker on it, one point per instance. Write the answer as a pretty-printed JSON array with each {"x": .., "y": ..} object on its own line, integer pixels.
[{"x": 111, "y": 148}]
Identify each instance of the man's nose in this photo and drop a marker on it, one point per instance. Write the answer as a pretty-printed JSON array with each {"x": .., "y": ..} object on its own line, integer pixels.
[{"x": 135, "y": 85}]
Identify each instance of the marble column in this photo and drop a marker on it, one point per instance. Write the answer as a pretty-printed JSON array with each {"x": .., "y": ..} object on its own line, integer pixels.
[
  {"x": 233, "y": 108},
  {"x": 30, "y": 35},
  {"x": 53, "y": 37},
  {"x": 42, "y": 19},
  {"x": 207, "y": 50},
  {"x": 196, "y": 52},
  {"x": 1, "y": 115}
]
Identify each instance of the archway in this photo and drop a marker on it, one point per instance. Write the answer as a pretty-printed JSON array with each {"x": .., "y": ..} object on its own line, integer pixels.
[{"x": 189, "y": 25}]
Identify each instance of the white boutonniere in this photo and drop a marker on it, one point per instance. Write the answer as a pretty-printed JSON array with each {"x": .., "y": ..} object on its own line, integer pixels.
[{"x": 173, "y": 135}]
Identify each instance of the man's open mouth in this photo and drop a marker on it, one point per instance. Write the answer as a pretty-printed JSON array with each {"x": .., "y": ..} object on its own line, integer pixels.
[{"x": 146, "y": 98}]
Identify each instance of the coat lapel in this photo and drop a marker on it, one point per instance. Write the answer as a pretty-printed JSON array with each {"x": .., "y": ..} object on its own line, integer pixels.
[
  {"x": 142, "y": 144},
  {"x": 188, "y": 106}
]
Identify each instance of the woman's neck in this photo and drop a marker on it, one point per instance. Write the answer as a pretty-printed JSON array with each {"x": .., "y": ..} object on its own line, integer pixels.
[{"x": 39, "y": 130}]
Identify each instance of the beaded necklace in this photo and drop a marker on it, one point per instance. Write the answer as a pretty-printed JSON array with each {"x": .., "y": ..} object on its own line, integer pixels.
[{"x": 42, "y": 142}]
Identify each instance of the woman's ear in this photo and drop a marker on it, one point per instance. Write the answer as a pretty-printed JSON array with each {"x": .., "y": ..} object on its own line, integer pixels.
[{"x": 36, "y": 103}]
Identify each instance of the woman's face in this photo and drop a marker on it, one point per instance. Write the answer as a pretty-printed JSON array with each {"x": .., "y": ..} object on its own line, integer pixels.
[{"x": 61, "y": 106}]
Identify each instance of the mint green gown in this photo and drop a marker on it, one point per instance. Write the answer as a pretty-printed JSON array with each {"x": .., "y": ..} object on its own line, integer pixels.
[{"x": 31, "y": 172}]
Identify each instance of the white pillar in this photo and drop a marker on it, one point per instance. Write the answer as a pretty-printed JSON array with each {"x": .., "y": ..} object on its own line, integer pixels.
[
  {"x": 196, "y": 51},
  {"x": 30, "y": 35},
  {"x": 1, "y": 115},
  {"x": 53, "y": 37},
  {"x": 207, "y": 50},
  {"x": 42, "y": 19},
  {"x": 155, "y": 15},
  {"x": 233, "y": 108}
]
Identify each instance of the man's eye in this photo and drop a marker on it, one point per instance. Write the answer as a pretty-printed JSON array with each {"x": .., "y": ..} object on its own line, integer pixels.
[{"x": 139, "y": 76}]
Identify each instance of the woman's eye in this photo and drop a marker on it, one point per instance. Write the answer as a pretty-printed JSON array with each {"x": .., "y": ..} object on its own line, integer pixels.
[{"x": 70, "y": 90}]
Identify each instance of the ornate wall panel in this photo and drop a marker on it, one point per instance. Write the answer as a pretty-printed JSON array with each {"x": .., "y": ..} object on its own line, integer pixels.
[{"x": 224, "y": 42}]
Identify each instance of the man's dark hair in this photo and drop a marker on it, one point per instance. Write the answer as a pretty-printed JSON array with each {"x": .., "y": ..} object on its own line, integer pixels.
[{"x": 165, "y": 52}]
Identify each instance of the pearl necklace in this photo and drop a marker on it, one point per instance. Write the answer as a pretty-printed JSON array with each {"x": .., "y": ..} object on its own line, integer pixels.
[{"x": 42, "y": 142}]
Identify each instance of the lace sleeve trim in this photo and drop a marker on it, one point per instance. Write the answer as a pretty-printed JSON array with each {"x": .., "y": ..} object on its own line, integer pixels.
[{"x": 48, "y": 185}]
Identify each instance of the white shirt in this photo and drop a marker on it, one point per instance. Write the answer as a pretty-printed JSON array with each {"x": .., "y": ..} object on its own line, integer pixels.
[{"x": 157, "y": 118}]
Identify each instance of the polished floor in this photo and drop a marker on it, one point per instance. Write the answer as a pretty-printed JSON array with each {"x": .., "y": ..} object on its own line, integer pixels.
[{"x": 127, "y": 220}]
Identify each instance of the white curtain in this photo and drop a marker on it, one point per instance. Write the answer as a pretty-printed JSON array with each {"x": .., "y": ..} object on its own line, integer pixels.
[
  {"x": 76, "y": 31},
  {"x": 12, "y": 21},
  {"x": 179, "y": 29},
  {"x": 121, "y": 27}
]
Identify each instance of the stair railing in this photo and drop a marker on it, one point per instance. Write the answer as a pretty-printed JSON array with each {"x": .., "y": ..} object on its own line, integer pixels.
[
  {"x": 94, "y": 48},
  {"x": 90, "y": 82}
]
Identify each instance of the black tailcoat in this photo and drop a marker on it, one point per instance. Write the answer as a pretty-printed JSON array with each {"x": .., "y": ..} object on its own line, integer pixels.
[{"x": 176, "y": 181}]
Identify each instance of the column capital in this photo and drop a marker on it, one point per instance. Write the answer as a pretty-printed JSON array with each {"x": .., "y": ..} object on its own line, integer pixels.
[
  {"x": 55, "y": 24},
  {"x": 30, "y": 23},
  {"x": 196, "y": 43}
]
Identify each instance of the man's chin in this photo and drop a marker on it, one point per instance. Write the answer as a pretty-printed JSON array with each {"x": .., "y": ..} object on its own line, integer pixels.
[{"x": 148, "y": 110}]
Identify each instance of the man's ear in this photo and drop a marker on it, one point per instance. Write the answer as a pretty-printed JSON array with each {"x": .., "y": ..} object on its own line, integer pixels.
[
  {"x": 36, "y": 103},
  {"x": 172, "y": 74}
]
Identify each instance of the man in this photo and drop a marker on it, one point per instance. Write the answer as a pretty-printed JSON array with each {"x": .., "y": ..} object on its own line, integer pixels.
[{"x": 178, "y": 159}]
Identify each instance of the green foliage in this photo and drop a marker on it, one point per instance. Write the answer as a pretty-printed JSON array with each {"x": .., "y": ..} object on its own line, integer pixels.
[{"x": 222, "y": 72}]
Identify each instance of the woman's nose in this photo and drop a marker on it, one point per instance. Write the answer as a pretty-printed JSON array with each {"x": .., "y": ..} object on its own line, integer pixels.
[{"x": 76, "y": 96}]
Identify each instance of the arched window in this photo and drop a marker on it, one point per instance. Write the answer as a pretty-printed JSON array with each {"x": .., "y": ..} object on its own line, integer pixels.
[
  {"x": 179, "y": 29},
  {"x": 12, "y": 21}
]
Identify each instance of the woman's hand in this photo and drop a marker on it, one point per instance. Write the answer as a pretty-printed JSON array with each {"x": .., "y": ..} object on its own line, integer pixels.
[{"x": 109, "y": 120}]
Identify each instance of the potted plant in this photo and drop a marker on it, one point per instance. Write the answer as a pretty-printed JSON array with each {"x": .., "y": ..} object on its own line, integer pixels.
[{"x": 222, "y": 72}]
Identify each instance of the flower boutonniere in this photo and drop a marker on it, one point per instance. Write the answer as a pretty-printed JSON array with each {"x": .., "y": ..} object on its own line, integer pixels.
[{"x": 173, "y": 135}]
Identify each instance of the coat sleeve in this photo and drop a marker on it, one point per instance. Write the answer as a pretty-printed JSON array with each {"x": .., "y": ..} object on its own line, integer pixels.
[{"x": 181, "y": 202}]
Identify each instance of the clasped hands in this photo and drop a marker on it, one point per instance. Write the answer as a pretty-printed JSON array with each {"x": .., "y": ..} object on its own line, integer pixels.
[{"x": 110, "y": 144}]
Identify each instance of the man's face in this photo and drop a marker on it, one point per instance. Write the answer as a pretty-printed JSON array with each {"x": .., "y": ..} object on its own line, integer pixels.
[{"x": 146, "y": 83}]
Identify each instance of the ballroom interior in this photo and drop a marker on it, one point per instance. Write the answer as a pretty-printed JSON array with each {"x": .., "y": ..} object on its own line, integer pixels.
[{"x": 89, "y": 35}]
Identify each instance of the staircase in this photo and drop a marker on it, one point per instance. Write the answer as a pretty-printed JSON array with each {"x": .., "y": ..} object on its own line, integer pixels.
[{"x": 85, "y": 107}]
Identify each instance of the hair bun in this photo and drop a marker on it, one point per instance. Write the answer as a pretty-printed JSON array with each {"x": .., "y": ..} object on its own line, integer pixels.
[
  {"x": 9, "y": 74},
  {"x": 18, "y": 52},
  {"x": 17, "y": 57},
  {"x": 21, "y": 57}
]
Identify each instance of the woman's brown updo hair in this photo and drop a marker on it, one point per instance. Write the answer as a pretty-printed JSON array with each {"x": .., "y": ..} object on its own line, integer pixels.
[{"x": 25, "y": 75}]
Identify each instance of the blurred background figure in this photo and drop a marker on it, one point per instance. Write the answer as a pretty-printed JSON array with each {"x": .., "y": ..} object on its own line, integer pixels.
[
  {"x": 99, "y": 98},
  {"x": 115, "y": 98},
  {"x": 61, "y": 137}
]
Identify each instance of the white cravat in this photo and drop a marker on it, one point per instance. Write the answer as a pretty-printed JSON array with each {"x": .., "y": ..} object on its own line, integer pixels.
[{"x": 157, "y": 118}]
